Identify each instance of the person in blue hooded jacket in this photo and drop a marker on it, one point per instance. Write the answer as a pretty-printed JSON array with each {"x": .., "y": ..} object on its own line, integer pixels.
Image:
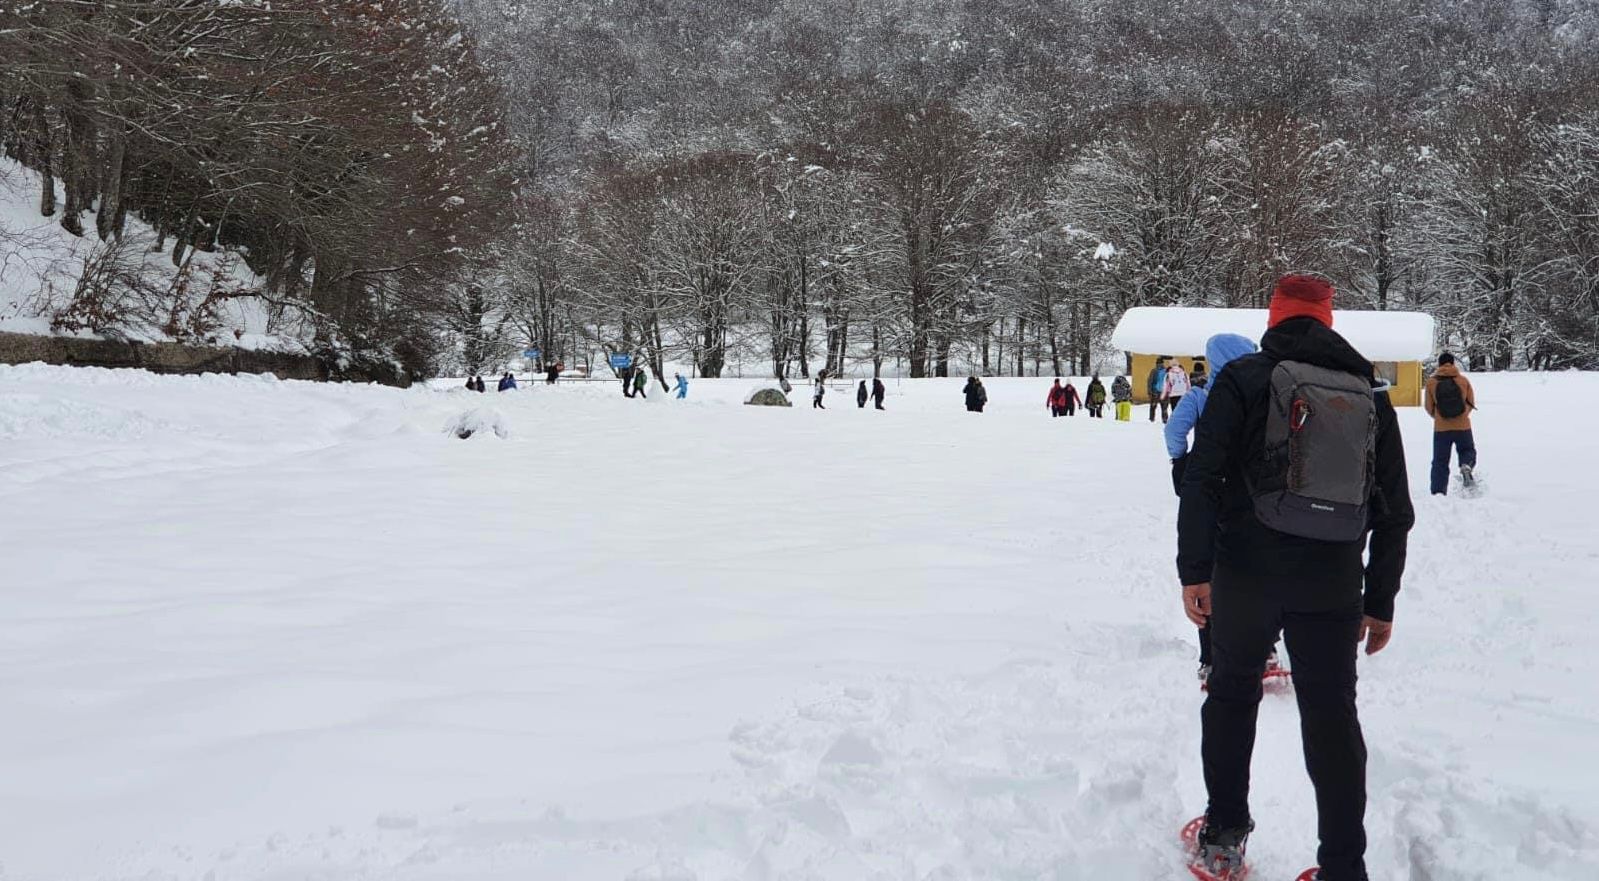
[{"x": 1219, "y": 349}]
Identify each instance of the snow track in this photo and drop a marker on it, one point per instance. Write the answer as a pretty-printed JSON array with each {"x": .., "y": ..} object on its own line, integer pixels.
[{"x": 263, "y": 630}]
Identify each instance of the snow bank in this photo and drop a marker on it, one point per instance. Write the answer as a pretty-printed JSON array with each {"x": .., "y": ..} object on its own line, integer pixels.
[
  {"x": 1380, "y": 336},
  {"x": 263, "y": 629},
  {"x": 40, "y": 263}
]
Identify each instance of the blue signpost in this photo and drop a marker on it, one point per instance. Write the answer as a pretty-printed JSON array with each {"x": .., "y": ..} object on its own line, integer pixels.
[
  {"x": 621, "y": 362},
  {"x": 532, "y": 354}
]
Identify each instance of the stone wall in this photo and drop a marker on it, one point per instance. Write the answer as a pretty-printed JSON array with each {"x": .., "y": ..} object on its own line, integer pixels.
[{"x": 18, "y": 348}]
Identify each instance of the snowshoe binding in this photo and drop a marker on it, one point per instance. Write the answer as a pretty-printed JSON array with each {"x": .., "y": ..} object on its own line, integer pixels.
[{"x": 1216, "y": 854}]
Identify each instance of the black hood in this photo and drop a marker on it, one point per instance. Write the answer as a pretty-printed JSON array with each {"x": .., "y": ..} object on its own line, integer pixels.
[{"x": 1310, "y": 341}]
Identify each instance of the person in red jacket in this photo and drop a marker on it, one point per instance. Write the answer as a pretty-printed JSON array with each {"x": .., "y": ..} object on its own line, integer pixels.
[
  {"x": 1072, "y": 399},
  {"x": 1056, "y": 402}
]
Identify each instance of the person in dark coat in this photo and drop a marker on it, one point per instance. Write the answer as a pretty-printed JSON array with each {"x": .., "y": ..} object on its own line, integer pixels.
[
  {"x": 1073, "y": 400},
  {"x": 477, "y": 383},
  {"x": 627, "y": 381},
  {"x": 976, "y": 395},
  {"x": 819, "y": 391},
  {"x": 1248, "y": 581},
  {"x": 1096, "y": 398},
  {"x": 861, "y": 394},
  {"x": 471, "y": 384},
  {"x": 879, "y": 392},
  {"x": 641, "y": 378}
]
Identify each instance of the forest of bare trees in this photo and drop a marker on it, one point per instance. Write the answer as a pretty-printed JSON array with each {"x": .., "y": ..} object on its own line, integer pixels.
[
  {"x": 944, "y": 185},
  {"x": 929, "y": 186}
]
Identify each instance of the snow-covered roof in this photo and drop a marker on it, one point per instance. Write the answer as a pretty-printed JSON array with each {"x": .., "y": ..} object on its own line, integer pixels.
[{"x": 1181, "y": 330}]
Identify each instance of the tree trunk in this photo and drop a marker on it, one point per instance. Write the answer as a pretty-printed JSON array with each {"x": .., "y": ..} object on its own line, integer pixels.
[
  {"x": 1021, "y": 345},
  {"x": 804, "y": 342}
]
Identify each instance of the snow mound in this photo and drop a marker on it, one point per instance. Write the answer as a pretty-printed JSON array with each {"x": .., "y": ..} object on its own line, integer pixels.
[
  {"x": 478, "y": 422},
  {"x": 24, "y": 415}
]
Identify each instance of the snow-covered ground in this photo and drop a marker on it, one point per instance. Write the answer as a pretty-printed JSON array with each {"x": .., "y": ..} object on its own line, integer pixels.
[{"x": 269, "y": 630}]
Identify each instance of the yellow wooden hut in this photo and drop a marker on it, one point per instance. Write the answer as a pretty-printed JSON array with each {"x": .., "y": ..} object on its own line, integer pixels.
[{"x": 1395, "y": 342}]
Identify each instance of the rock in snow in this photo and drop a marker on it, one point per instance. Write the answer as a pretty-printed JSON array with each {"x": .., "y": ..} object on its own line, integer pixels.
[{"x": 768, "y": 397}]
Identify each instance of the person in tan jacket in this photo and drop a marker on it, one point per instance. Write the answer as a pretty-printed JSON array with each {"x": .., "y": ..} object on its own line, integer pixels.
[{"x": 1449, "y": 402}]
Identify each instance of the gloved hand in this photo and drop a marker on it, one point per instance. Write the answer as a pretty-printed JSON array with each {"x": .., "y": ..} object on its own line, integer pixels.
[{"x": 1179, "y": 465}]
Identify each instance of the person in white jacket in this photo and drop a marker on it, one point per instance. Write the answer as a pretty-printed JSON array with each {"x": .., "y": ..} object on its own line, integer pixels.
[{"x": 1176, "y": 384}]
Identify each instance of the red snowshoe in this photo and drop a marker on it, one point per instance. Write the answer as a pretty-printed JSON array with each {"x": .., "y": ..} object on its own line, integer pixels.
[{"x": 1275, "y": 678}]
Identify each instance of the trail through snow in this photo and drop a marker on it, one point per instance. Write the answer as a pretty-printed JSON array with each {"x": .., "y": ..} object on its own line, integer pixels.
[{"x": 269, "y": 630}]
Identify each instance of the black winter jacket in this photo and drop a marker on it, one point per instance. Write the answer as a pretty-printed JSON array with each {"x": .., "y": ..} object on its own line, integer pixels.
[
  {"x": 976, "y": 395},
  {"x": 1216, "y": 524}
]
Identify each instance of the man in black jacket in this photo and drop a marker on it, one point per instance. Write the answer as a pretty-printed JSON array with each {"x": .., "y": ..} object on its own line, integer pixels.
[{"x": 1250, "y": 581}]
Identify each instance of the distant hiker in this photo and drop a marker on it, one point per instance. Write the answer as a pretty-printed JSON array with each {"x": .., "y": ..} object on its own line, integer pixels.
[
  {"x": 1056, "y": 400},
  {"x": 1155, "y": 384},
  {"x": 818, "y": 393},
  {"x": 626, "y": 373},
  {"x": 1450, "y": 400},
  {"x": 1272, "y": 535},
  {"x": 553, "y": 373},
  {"x": 976, "y": 395},
  {"x": 1199, "y": 377},
  {"x": 682, "y": 386},
  {"x": 1073, "y": 400},
  {"x": 471, "y": 385},
  {"x": 500, "y": 386},
  {"x": 507, "y": 382},
  {"x": 879, "y": 392},
  {"x": 1096, "y": 398},
  {"x": 1177, "y": 384},
  {"x": 1219, "y": 349},
  {"x": 641, "y": 378},
  {"x": 861, "y": 394},
  {"x": 477, "y": 383},
  {"x": 1121, "y": 391}
]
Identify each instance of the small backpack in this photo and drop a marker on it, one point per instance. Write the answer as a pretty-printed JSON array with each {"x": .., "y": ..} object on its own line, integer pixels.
[
  {"x": 1451, "y": 403},
  {"x": 1316, "y": 472}
]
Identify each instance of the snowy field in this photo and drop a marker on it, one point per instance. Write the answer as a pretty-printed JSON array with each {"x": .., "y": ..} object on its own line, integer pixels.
[{"x": 266, "y": 630}]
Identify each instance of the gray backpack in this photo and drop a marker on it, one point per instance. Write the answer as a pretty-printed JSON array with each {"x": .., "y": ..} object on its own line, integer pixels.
[{"x": 1316, "y": 474}]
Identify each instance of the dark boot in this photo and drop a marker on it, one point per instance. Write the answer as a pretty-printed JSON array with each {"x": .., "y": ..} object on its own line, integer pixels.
[{"x": 1221, "y": 851}]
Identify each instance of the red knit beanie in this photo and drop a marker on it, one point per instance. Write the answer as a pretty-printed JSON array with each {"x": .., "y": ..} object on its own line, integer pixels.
[{"x": 1297, "y": 296}]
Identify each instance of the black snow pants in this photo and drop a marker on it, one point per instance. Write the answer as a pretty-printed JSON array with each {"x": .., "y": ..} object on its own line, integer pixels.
[{"x": 1246, "y": 614}]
